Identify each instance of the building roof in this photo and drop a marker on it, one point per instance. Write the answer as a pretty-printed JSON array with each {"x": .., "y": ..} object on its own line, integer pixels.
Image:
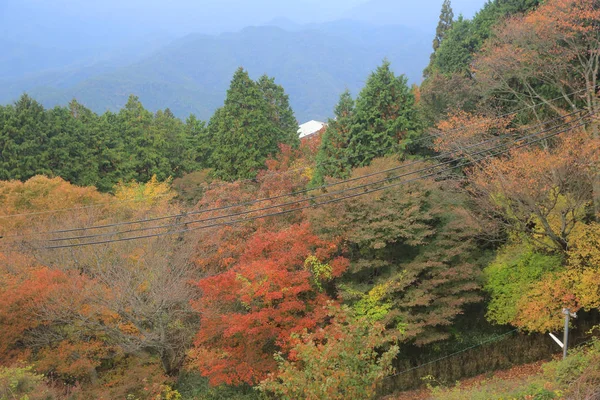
[{"x": 310, "y": 128}]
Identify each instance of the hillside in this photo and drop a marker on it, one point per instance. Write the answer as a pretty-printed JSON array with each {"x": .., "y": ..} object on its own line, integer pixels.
[{"x": 314, "y": 64}]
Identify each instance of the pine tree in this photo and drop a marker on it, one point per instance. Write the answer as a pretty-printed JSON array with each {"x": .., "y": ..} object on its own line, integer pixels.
[
  {"x": 280, "y": 111},
  {"x": 24, "y": 141},
  {"x": 332, "y": 158},
  {"x": 141, "y": 148},
  {"x": 168, "y": 133},
  {"x": 385, "y": 115},
  {"x": 243, "y": 132},
  {"x": 73, "y": 144},
  {"x": 444, "y": 25},
  {"x": 199, "y": 146}
]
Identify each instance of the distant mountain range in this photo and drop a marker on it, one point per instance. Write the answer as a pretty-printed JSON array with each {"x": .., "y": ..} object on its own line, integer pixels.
[{"x": 314, "y": 63}]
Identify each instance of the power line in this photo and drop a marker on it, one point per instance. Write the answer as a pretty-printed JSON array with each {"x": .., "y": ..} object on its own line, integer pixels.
[
  {"x": 428, "y": 168},
  {"x": 304, "y": 191},
  {"x": 288, "y": 171},
  {"x": 307, "y": 206},
  {"x": 296, "y": 201}
]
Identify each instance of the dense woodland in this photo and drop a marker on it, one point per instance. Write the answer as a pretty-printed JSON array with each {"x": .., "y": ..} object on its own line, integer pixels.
[{"x": 146, "y": 257}]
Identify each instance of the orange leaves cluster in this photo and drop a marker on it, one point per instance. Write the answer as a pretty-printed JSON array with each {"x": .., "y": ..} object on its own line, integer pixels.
[
  {"x": 460, "y": 131},
  {"x": 543, "y": 191}
]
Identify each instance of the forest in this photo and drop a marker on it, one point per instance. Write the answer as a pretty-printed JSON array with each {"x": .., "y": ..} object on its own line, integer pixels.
[{"x": 431, "y": 233}]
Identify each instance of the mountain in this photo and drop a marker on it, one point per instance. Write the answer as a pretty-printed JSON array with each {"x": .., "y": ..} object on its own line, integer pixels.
[{"x": 314, "y": 63}]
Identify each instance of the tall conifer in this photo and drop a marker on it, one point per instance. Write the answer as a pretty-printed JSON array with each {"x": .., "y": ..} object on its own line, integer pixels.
[
  {"x": 332, "y": 159},
  {"x": 280, "y": 111},
  {"x": 385, "y": 114}
]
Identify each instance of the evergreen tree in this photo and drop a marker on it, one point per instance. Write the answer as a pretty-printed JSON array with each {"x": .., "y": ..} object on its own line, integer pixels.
[
  {"x": 444, "y": 25},
  {"x": 332, "y": 158},
  {"x": 243, "y": 133},
  {"x": 73, "y": 150},
  {"x": 197, "y": 144},
  {"x": 141, "y": 146},
  {"x": 280, "y": 111},
  {"x": 385, "y": 114},
  {"x": 114, "y": 163},
  {"x": 86, "y": 149},
  {"x": 24, "y": 141}
]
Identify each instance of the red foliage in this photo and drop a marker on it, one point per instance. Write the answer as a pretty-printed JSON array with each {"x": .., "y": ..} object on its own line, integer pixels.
[{"x": 250, "y": 311}]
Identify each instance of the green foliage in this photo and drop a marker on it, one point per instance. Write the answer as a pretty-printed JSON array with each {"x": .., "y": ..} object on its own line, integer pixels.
[
  {"x": 515, "y": 269},
  {"x": 444, "y": 25},
  {"x": 192, "y": 385},
  {"x": 321, "y": 272},
  {"x": 343, "y": 361},
  {"x": 21, "y": 383},
  {"x": 86, "y": 149},
  {"x": 466, "y": 37},
  {"x": 385, "y": 114},
  {"x": 249, "y": 128},
  {"x": 414, "y": 243},
  {"x": 373, "y": 305},
  {"x": 332, "y": 159},
  {"x": 448, "y": 83},
  {"x": 279, "y": 110}
]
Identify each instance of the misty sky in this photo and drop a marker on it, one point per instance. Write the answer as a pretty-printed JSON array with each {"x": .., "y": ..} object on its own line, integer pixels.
[{"x": 36, "y": 19}]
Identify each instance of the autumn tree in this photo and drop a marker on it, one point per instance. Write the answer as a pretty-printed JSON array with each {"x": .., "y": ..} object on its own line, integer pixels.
[
  {"x": 553, "y": 51},
  {"x": 250, "y": 310},
  {"x": 449, "y": 83},
  {"x": 413, "y": 254},
  {"x": 98, "y": 302},
  {"x": 543, "y": 193}
]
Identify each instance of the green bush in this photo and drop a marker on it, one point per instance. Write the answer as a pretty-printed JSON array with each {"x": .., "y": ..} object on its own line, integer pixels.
[
  {"x": 23, "y": 384},
  {"x": 511, "y": 275},
  {"x": 191, "y": 385}
]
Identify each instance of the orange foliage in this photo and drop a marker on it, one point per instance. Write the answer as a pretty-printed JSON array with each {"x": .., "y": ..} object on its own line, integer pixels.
[
  {"x": 540, "y": 309},
  {"x": 461, "y": 130},
  {"x": 542, "y": 192}
]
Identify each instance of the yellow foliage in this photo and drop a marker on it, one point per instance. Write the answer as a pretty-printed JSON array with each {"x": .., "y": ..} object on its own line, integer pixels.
[
  {"x": 584, "y": 247},
  {"x": 584, "y": 264},
  {"x": 146, "y": 193},
  {"x": 320, "y": 271}
]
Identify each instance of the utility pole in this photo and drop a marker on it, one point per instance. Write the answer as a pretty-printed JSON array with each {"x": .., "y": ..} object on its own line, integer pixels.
[
  {"x": 567, "y": 314},
  {"x": 564, "y": 344}
]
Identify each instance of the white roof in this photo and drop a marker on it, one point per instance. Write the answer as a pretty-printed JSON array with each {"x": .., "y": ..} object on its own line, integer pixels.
[{"x": 310, "y": 128}]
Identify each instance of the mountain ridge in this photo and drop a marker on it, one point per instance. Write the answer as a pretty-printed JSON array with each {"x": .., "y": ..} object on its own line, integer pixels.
[{"x": 314, "y": 63}]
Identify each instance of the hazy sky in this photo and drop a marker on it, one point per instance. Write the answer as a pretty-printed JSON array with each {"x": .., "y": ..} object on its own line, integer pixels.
[{"x": 36, "y": 19}]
